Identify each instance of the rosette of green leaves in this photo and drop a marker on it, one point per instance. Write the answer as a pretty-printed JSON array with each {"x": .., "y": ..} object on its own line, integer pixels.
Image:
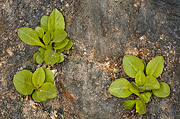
[
  {"x": 40, "y": 83},
  {"x": 51, "y": 38},
  {"x": 145, "y": 82}
]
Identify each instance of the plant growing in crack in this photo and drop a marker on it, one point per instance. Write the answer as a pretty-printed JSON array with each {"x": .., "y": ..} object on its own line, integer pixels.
[
  {"x": 40, "y": 84},
  {"x": 145, "y": 83},
  {"x": 51, "y": 38}
]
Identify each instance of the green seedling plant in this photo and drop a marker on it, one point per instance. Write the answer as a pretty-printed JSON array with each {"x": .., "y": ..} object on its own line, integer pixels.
[
  {"x": 50, "y": 36},
  {"x": 145, "y": 83},
  {"x": 40, "y": 84}
]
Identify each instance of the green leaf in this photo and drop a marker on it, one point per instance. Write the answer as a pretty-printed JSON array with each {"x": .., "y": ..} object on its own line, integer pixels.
[
  {"x": 38, "y": 77},
  {"x": 35, "y": 98},
  {"x": 62, "y": 44},
  {"x": 29, "y": 36},
  {"x": 41, "y": 49},
  {"x": 51, "y": 34},
  {"x": 49, "y": 47},
  {"x": 164, "y": 90},
  {"x": 120, "y": 88},
  {"x": 128, "y": 104},
  {"x": 23, "y": 83},
  {"x": 46, "y": 38},
  {"x": 46, "y": 91},
  {"x": 35, "y": 55},
  {"x": 39, "y": 31},
  {"x": 39, "y": 58},
  {"x": 44, "y": 22},
  {"x": 140, "y": 78},
  {"x": 61, "y": 58},
  {"x": 155, "y": 67},
  {"x": 68, "y": 46},
  {"x": 51, "y": 57},
  {"x": 49, "y": 75},
  {"x": 140, "y": 107},
  {"x": 40, "y": 55},
  {"x": 59, "y": 36},
  {"x": 148, "y": 94},
  {"x": 145, "y": 97},
  {"x": 134, "y": 90},
  {"x": 131, "y": 65},
  {"x": 136, "y": 86},
  {"x": 144, "y": 64},
  {"x": 56, "y": 21},
  {"x": 151, "y": 83}
]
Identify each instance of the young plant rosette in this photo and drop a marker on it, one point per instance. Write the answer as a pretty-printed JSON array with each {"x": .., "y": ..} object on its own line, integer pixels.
[
  {"x": 145, "y": 83},
  {"x": 40, "y": 84},
  {"x": 51, "y": 38}
]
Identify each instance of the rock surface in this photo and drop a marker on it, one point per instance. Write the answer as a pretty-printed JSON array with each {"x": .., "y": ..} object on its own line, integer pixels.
[{"x": 103, "y": 31}]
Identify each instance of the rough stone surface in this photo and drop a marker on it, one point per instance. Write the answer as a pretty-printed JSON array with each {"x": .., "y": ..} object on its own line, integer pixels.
[{"x": 103, "y": 31}]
